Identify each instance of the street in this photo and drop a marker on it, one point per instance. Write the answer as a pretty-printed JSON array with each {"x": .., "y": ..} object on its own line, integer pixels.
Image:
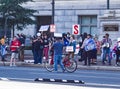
[{"x": 93, "y": 78}]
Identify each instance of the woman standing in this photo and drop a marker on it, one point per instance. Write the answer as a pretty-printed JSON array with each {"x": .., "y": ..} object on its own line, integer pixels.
[
  {"x": 89, "y": 47},
  {"x": 3, "y": 47},
  {"x": 72, "y": 42}
]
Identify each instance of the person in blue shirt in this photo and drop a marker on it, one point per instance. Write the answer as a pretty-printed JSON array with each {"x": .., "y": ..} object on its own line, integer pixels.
[{"x": 58, "y": 50}]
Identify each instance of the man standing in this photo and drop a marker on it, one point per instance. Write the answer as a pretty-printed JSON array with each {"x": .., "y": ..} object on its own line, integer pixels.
[
  {"x": 58, "y": 49},
  {"x": 22, "y": 41},
  {"x": 106, "y": 44},
  {"x": 38, "y": 50},
  {"x": 15, "y": 44}
]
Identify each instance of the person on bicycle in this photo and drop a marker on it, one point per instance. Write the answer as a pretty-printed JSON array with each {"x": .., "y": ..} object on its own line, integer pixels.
[{"x": 58, "y": 49}]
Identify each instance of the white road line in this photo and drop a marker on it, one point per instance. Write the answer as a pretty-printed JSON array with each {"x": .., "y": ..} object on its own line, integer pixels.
[
  {"x": 97, "y": 84},
  {"x": 4, "y": 79},
  {"x": 64, "y": 80},
  {"x": 53, "y": 80},
  {"x": 20, "y": 79}
]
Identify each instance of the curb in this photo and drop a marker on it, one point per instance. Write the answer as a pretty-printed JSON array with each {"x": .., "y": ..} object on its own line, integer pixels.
[
  {"x": 58, "y": 80},
  {"x": 4, "y": 79},
  {"x": 107, "y": 68}
]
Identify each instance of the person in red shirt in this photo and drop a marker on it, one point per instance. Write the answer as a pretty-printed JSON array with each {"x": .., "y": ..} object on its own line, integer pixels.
[{"x": 15, "y": 45}]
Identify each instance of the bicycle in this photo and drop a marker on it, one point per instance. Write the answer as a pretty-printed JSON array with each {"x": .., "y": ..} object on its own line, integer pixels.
[{"x": 69, "y": 64}]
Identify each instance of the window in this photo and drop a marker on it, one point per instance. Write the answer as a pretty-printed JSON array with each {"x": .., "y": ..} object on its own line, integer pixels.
[{"x": 88, "y": 24}]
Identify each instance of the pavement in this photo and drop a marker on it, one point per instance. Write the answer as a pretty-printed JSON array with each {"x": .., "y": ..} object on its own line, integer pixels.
[{"x": 29, "y": 62}]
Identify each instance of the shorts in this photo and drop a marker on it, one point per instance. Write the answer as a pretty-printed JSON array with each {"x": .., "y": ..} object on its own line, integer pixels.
[{"x": 14, "y": 55}]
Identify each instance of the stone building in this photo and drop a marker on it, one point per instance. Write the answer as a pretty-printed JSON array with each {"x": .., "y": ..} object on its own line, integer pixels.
[{"x": 92, "y": 16}]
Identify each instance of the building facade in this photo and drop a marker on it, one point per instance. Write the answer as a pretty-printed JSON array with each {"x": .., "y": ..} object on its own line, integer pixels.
[{"x": 92, "y": 16}]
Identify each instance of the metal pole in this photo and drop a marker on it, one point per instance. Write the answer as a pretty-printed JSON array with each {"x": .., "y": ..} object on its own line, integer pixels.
[
  {"x": 5, "y": 26},
  {"x": 53, "y": 10},
  {"x": 13, "y": 31},
  {"x": 53, "y": 14},
  {"x": 108, "y": 4}
]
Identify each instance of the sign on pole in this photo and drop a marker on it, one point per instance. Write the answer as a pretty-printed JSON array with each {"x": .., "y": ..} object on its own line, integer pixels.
[
  {"x": 52, "y": 28},
  {"x": 44, "y": 28},
  {"x": 75, "y": 29},
  {"x": 57, "y": 34}
]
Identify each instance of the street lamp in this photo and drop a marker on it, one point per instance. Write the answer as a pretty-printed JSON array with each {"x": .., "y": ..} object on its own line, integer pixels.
[
  {"x": 5, "y": 26},
  {"x": 53, "y": 14},
  {"x": 53, "y": 10},
  {"x": 108, "y": 4}
]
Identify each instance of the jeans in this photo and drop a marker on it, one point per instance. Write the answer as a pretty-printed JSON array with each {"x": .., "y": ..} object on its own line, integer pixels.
[
  {"x": 106, "y": 52},
  {"x": 88, "y": 57},
  {"x": 58, "y": 60},
  {"x": 117, "y": 55}
]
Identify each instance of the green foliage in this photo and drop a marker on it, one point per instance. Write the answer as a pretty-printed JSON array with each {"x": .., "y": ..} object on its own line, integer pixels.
[
  {"x": 28, "y": 47},
  {"x": 13, "y": 8}
]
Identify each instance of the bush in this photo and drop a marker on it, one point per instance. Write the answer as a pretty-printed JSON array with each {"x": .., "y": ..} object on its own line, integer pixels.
[{"x": 28, "y": 47}]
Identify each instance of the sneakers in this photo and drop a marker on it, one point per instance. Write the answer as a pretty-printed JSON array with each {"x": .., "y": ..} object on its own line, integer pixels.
[
  {"x": 12, "y": 65},
  {"x": 117, "y": 64},
  {"x": 63, "y": 70}
]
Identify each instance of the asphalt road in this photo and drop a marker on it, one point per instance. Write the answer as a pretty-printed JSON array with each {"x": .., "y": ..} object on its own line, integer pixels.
[{"x": 94, "y": 78}]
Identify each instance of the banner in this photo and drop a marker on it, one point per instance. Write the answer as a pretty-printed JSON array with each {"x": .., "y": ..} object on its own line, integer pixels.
[{"x": 44, "y": 28}]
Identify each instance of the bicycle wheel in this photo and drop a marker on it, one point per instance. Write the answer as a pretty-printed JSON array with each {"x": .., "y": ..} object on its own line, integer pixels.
[
  {"x": 70, "y": 66},
  {"x": 49, "y": 66}
]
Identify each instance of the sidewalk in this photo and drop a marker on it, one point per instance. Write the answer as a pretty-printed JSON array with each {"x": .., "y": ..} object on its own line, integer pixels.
[{"x": 29, "y": 63}]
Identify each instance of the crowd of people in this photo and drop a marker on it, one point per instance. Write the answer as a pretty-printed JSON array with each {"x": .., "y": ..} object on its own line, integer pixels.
[
  {"x": 15, "y": 47},
  {"x": 44, "y": 45}
]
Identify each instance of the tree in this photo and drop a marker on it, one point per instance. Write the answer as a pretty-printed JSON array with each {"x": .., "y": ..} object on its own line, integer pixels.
[{"x": 13, "y": 13}]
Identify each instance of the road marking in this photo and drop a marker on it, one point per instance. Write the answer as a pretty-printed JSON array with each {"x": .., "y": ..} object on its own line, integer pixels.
[
  {"x": 76, "y": 81},
  {"x": 40, "y": 79},
  {"x": 64, "y": 80},
  {"x": 4, "y": 79},
  {"x": 59, "y": 80},
  {"x": 107, "y": 85},
  {"x": 53, "y": 80},
  {"x": 20, "y": 79}
]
